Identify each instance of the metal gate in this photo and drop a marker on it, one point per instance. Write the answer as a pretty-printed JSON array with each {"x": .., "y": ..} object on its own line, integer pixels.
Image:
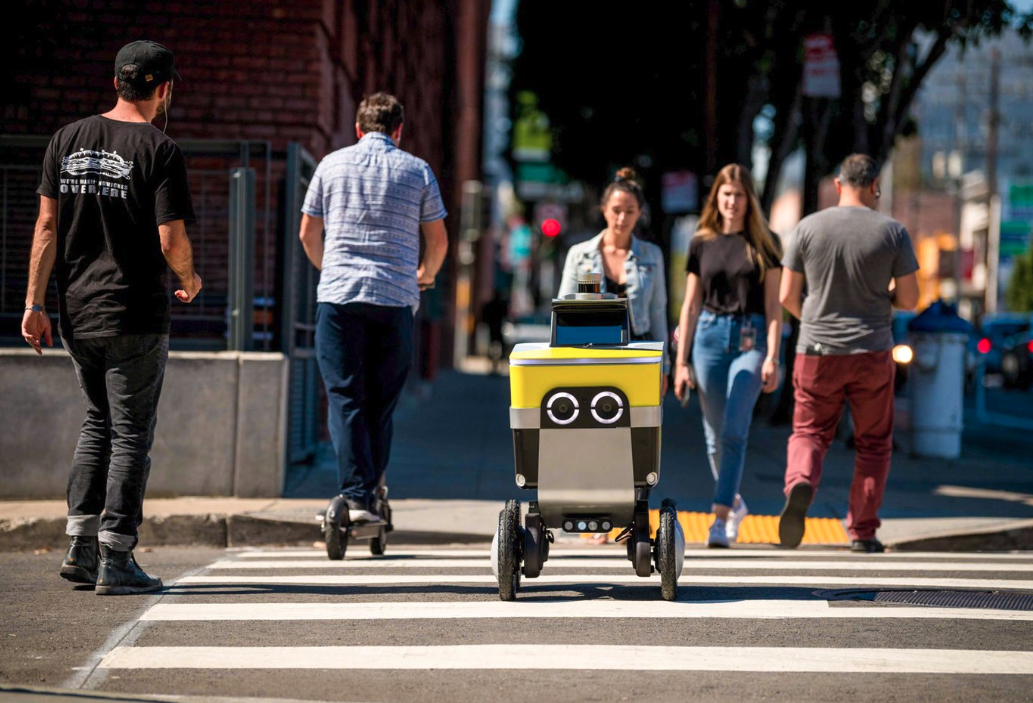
[{"x": 299, "y": 314}]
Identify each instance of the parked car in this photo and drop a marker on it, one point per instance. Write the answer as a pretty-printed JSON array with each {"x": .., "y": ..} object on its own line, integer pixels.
[
  {"x": 1017, "y": 361},
  {"x": 993, "y": 333}
]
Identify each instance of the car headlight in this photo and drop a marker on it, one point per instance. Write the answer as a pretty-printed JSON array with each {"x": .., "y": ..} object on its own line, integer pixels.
[{"x": 902, "y": 354}]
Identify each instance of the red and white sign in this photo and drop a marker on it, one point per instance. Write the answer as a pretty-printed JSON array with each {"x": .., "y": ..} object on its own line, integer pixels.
[{"x": 820, "y": 67}]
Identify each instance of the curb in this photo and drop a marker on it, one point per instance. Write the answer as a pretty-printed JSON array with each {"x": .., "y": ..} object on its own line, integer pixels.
[
  {"x": 219, "y": 531},
  {"x": 253, "y": 530},
  {"x": 991, "y": 539}
]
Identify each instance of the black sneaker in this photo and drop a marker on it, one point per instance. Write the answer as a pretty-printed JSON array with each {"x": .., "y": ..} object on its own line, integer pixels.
[
  {"x": 793, "y": 521},
  {"x": 120, "y": 575},
  {"x": 867, "y": 546},
  {"x": 80, "y": 564}
]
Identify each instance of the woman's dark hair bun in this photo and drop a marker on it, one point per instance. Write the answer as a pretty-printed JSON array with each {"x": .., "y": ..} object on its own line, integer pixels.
[{"x": 626, "y": 174}]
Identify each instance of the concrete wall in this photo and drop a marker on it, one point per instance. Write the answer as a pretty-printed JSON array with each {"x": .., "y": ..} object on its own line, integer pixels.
[{"x": 222, "y": 425}]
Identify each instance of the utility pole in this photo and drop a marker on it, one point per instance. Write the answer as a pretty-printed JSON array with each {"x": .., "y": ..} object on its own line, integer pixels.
[
  {"x": 956, "y": 179},
  {"x": 993, "y": 236}
]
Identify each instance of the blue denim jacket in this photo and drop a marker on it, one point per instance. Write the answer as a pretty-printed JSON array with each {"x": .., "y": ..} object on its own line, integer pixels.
[{"x": 647, "y": 284}]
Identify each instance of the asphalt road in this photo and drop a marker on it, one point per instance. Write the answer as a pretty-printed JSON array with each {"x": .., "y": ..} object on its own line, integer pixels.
[{"x": 427, "y": 625}]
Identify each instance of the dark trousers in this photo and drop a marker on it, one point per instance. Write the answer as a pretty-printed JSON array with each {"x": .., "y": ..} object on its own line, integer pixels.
[
  {"x": 823, "y": 385},
  {"x": 365, "y": 353},
  {"x": 121, "y": 379}
]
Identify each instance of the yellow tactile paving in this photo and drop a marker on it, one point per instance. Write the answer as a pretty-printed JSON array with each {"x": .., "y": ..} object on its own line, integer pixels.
[{"x": 755, "y": 529}]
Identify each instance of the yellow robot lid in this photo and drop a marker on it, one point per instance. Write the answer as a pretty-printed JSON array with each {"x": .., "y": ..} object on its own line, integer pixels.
[{"x": 636, "y": 352}]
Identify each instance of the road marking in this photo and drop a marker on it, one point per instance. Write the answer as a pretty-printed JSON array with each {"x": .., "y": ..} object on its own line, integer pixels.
[
  {"x": 604, "y": 552},
  {"x": 528, "y": 608},
  {"x": 815, "y": 580},
  {"x": 579, "y": 657},
  {"x": 623, "y": 563}
]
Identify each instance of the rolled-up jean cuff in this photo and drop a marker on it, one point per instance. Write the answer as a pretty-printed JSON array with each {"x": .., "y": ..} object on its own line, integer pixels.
[
  {"x": 83, "y": 525},
  {"x": 120, "y": 543}
]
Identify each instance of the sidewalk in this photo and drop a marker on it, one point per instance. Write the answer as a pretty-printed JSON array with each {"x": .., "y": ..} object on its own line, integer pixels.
[{"x": 452, "y": 469}]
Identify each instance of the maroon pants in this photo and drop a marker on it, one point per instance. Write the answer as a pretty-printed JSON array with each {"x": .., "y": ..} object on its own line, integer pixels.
[{"x": 822, "y": 383}]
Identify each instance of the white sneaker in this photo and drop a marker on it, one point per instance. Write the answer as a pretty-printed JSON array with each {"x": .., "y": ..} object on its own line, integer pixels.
[
  {"x": 735, "y": 518},
  {"x": 718, "y": 536},
  {"x": 362, "y": 516}
]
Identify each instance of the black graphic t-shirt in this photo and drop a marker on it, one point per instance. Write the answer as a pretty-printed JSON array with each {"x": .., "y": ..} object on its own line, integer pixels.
[{"x": 115, "y": 182}]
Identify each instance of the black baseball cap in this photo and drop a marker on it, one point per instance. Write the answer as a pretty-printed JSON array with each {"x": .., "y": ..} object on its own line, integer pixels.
[{"x": 156, "y": 63}]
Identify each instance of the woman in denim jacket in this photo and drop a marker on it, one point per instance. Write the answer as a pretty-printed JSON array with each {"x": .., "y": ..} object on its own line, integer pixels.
[
  {"x": 631, "y": 268},
  {"x": 732, "y": 321}
]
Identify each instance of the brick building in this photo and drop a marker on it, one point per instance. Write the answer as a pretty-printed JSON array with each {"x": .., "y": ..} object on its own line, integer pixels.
[{"x": 269, "y": 71}]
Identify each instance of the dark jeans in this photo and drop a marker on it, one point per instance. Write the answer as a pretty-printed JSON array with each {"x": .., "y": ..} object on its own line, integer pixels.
[
  {"x": 121, "y": 380},
  {"x": 365, "y": 353}
]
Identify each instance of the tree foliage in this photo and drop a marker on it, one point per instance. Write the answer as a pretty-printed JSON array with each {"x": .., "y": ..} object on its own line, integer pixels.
[
  {"x": 680, "y": 85},
  {"x": 1019, "y": 295}
]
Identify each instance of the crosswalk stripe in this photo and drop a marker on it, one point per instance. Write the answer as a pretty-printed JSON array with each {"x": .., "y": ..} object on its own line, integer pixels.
[
  {"x": 623, "y": 563},
  {"x": 593, "y": 579},
  {"x": 579, "y": 657},
  {"x": 751, "y": 609},
  {"x": 733, "y": 554}
]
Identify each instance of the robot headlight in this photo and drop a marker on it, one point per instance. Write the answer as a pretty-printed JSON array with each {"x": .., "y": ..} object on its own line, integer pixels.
[
  {"x": 562, "y": 408},
  {"x": 607, "y": 407}
]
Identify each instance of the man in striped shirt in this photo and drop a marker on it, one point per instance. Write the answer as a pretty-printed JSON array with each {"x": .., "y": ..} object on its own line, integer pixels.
[{"x": 373, "y": 201}]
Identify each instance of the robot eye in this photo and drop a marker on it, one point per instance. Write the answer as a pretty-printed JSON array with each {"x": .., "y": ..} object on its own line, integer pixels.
[
  {"x": 607, "y": 407},
  {"x": 562, "y": 408}
]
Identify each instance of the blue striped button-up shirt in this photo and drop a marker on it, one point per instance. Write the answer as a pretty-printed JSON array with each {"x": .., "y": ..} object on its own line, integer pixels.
[{"x": 372, "y": 197}]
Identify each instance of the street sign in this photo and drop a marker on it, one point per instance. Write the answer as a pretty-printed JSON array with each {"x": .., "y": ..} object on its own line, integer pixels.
[
  {"x": 820, "y": 67},
  {"x": 679, "y": 192}
]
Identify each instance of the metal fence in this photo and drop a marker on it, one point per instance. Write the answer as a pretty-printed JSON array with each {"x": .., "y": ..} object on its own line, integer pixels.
[{"x": 259, "y": 289}]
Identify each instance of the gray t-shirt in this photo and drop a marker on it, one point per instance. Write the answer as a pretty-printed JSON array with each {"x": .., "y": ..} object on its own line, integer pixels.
[{"x": 848, "y": 256}]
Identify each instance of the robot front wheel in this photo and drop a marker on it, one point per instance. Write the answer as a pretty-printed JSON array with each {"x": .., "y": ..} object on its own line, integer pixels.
[
  {"x": 669, "y": 550},
  {"x": 507, "y": 550}
]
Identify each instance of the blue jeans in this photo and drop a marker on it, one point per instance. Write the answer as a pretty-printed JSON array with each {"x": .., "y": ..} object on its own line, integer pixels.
[
  {"x": 728, "y": 382},
  {"x": 121, "y": 379},
  {"x": 365, "y": 352}
]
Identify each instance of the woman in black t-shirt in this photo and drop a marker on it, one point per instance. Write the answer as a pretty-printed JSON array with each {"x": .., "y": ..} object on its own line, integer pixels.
[{"x": 732, "y": 321}]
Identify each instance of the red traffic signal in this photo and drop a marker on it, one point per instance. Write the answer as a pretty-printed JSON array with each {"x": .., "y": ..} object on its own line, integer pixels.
[{"x": 550, "y": 227}]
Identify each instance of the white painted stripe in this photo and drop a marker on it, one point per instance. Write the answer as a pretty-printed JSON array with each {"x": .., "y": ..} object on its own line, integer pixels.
[
  {"x": 618, "y": 563},
  {"x": 815, "y": 581},
  {"x": 744, "y": 553},
  {"x": 752, "y": 609},
  {"x": 579, "y": 657}
]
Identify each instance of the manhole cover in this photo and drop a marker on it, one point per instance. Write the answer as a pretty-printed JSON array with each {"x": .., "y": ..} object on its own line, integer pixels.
[{"x": 996, "y": 600}]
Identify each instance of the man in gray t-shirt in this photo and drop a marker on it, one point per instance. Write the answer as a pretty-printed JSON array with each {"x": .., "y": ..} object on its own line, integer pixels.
[{"x": 856, "y": 264}]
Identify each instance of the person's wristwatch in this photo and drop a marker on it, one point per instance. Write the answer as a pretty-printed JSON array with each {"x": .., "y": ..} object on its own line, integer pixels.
[{"x": 35, "y": 308}]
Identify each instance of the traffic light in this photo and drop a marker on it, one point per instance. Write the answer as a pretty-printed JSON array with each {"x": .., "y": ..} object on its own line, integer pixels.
[{"x": 551, "y": 227}]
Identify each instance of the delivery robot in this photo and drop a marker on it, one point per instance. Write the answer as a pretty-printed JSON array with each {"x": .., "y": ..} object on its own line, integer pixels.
[{"x": 585, "y": 414}]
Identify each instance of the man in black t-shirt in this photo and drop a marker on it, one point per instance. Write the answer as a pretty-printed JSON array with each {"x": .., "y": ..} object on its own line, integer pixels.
[{"x": 114, "y": 205}]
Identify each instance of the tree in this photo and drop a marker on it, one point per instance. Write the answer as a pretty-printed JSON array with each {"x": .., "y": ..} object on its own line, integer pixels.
[
  {"x": 1020, "y": 288},
  {"x": 680, "y": 85}
]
